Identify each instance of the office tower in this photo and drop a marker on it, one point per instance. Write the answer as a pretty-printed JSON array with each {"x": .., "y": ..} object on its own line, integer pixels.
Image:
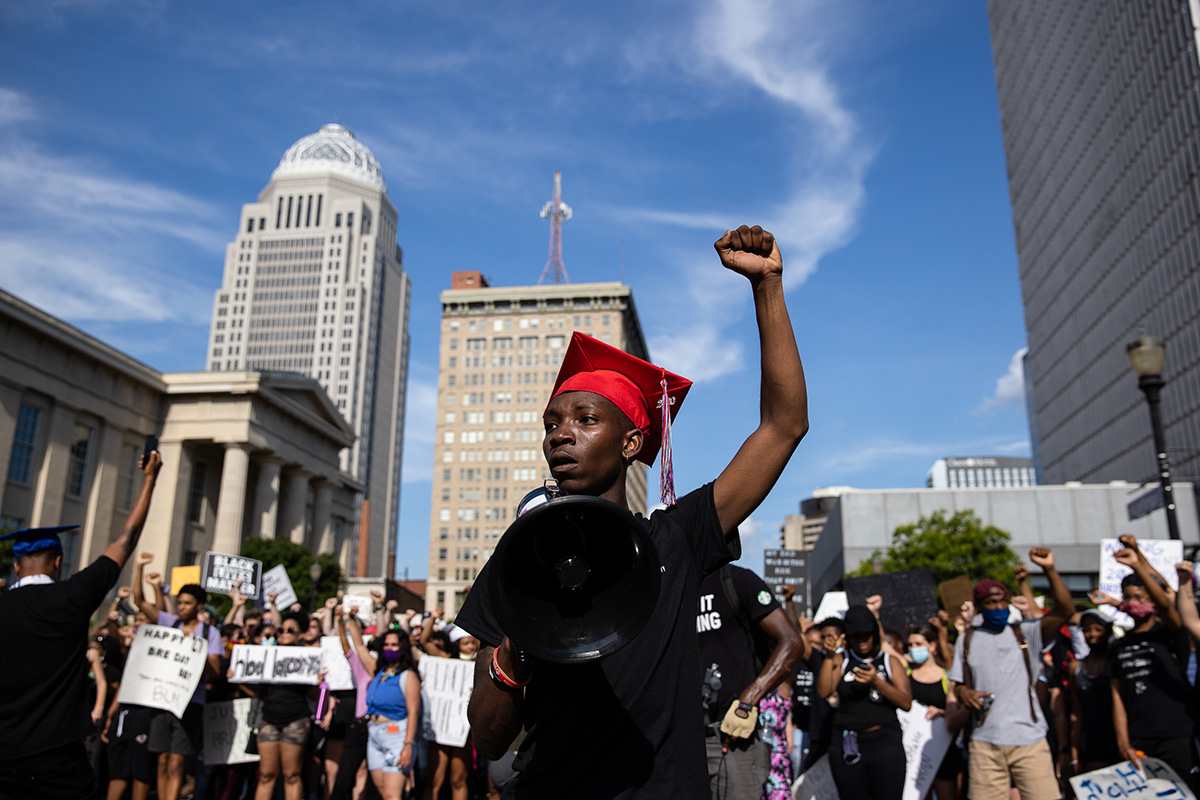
[
  {"x": 1099, "y": 106},
  {"x": 499, "y": 355},
  {"x": 313, "y": 284},
  {"x": 980, "y": 471}
]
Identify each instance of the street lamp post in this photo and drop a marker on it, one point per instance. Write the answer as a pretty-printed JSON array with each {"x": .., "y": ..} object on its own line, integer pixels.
[
  {"x": 1146, "y": 356},
  {"x": 314, "y": 572}
]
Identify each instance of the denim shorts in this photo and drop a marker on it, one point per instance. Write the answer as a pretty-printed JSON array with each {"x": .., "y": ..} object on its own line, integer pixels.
[
  {"x": 385, "y": 741},
  {"x": 294, "y": 733}
]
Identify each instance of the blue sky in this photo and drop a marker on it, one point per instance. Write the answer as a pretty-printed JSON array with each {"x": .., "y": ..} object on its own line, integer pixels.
[{"x": 865, "y": 135}]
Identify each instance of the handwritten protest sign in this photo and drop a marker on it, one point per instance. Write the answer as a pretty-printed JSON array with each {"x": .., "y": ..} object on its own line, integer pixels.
[
  {"x": 253, "y": 663},
  {"x": 925, "y": 745},
  {"x": 1162, "y": 554},
  {"x": 227, "y": 730},
  {"x": 816, "y": 783},
  {"x": 954, "y": 593},
  {"x": 446, "y": 689},
  {"x": 364, "y": 604},
  {"x": 339, "y": 675},
  {"x": 221, "y": 573},
  {"x": 1155, "y": 779},
  {"x": 163, "y": 668},
  {"x": 276, "y": 580}
]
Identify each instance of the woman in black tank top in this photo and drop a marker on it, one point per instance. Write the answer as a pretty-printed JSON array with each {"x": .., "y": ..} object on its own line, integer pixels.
[
  {"x": 929, "y": 684},
  {"x": 866, "y": 754}
]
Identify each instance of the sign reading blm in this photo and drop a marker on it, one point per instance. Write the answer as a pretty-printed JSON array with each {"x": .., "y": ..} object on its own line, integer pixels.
[
  {"x": 221, "y": 573},
  {"x": 163, "y": 668}
]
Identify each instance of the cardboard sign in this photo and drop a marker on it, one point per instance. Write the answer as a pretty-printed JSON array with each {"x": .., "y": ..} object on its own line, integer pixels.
[
  {"x": 254, "y": 663},
  {"x": 816, "y": 783},
  {"x": 182, "y": 576},
  {"x": 833, "y": 604},
  {"x": 163, "y": 668},
  {"x": 276, "y": 580},
  {"x": 1155, "y": 779},
  {"x": 787, "y": 567},
  {"x": 221, "y": 573},
  {"x": 339, "y": 676},
  {"x": 446, "y": 689},
  {"x": 954, "y": 593},
  {"x": 227, "y": 730},
  {"x": 365, "y": 607},
  {"x": 1162, "y": 554},
  {"x": 909, "y": 597},
  {"x": 925, "y": 745}
]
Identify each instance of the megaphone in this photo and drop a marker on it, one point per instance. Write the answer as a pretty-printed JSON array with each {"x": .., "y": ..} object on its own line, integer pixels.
[{"x": 576, "y": 578}]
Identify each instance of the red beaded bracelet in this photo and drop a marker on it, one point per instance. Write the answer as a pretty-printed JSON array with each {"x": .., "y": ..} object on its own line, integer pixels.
[{"x": 498, "y": 676}]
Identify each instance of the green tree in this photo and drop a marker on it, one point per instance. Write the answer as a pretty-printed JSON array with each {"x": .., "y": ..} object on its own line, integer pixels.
[
  {"x": 949, "y": 546},
  {"x": 296, "y": 559}
]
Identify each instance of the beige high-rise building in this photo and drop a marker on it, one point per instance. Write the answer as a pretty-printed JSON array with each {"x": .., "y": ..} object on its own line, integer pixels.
[
  {"x": 500, "y": 352},
  {"x": 313, "y": 284}
]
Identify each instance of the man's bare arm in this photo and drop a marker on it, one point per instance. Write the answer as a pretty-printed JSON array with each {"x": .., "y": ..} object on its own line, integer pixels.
[
  {"x": 120, "y": 550},
  {"x": 783, "y": 403},
  {"x": 494, "y": 713},
  {"x": 790, "y": 645}
]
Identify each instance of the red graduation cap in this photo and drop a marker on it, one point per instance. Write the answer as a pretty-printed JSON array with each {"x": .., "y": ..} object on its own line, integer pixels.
[{"x": 649, "y": 395}]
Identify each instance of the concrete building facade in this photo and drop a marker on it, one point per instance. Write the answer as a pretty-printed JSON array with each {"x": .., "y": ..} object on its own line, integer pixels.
[
  {"x": 1100, "y": 111},
  {"x": 499, "y": 355},
  {"x": 1071, "y": 519},
  {"x": 244, "y": 453},
  {"x": 313, "y": 284}
]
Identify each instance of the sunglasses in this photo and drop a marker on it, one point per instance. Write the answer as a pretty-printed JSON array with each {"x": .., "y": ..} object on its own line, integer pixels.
[{"x": 289, "y": 629}]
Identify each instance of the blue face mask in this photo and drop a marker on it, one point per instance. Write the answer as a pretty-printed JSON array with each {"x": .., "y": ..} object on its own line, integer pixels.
[
  {"x": 995, "y": 617},
  {"x": 919, "y": 655}
]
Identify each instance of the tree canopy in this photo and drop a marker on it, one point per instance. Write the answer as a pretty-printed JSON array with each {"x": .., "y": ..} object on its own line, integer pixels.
[
  {"x": 949, "y": 546},
  {"x": 296, "y": 559}
]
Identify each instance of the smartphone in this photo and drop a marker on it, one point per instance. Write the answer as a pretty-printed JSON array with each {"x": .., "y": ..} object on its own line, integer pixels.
[{"x": 151, "y": 446}]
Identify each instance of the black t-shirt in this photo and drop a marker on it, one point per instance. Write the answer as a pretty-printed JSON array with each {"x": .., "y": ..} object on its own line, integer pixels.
[
  {"x": 804, "y": 689},
  {"x": 861, "y": 707},
  {"x": 1153, "y": 684},
  {"x": 628, "y": 725},
  {"x": 43, "y": 660},
  {"x": 284, "y": 703},
  {"x": 726, "y": 652}
]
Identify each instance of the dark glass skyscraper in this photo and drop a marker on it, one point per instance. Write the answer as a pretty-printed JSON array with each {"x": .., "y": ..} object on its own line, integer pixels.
[{"x": 1100, "y": 109}]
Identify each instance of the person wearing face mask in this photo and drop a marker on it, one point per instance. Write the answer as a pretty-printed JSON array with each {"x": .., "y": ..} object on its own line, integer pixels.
[
  {"x": 993, "y": 675},
  {"x": 1093, "y": 739},
  {"x": 393, "y": 709},
  {"x": 1153, "y": 711},
  {"x": 930, "y": 688}
]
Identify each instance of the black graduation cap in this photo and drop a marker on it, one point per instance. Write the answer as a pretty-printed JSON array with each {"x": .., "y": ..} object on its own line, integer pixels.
[{"x": 28, "y": 541}]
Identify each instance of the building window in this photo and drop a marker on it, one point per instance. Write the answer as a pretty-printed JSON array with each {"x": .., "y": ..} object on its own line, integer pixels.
[
  {"x": 125, "y": 480},
  {"x": 81, "y": 440},
  {"x": 196, "y": 494},
  {"x": 24, "y": 439}
]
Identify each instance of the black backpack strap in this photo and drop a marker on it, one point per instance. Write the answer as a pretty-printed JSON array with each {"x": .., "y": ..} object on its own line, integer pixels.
[{"x": 739, "y": 611}]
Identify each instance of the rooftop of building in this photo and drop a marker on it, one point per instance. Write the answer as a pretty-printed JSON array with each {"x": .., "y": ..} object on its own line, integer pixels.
[{"x": 331, "y": 149}]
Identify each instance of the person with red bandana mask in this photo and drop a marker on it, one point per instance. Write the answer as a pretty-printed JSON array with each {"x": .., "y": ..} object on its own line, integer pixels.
[
  {"x": 1153, "y": 711},
  {"x": 630, "y": 725}
]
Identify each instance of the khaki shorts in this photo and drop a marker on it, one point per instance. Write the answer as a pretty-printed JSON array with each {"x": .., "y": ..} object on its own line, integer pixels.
[{"x": 993, "y": 767}]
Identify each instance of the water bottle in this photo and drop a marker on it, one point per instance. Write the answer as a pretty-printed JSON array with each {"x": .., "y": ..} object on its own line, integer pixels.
[{"x": 392, "y": 759}]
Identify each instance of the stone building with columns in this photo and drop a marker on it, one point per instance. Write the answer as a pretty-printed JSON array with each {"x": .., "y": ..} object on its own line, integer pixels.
[{"x": 244, "y": 453}]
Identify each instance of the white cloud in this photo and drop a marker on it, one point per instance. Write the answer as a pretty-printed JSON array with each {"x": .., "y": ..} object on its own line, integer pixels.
[
  {"x": 1010, "y": 387},
  {"x": 851, "y": 458},
  {"x": 14, "y": 108}
]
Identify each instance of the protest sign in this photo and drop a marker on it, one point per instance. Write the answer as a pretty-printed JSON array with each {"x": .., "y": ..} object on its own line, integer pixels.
[
  {"x": 909, "y": 597},
  {"x": 365, "y": 606},
  {"x": 276, "y": 580},
  {"x": 227, "y": 730},
  {"x": 787, "y": 567},
  {"x": 221, "y": 573},
  {"x": 338, "y": 675},
  {"x": 446, "y": 689},
  {"x": 163, "y": 668},
  {"x": 925, "y": 745},
  {"x": 1155, "y": 779},
  {"x": 816, "y": 783},
  {"x": 954, "y": 593},
  {"x": 1162, "y": 554},
  {"x": 252, "y": 663},
  {"x": 182, "y": 576},
  {"x": 833, "y": 604}
]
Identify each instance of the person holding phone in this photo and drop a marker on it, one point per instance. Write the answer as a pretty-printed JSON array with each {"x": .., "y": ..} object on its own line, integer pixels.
[{"x": 866, "y": 753}]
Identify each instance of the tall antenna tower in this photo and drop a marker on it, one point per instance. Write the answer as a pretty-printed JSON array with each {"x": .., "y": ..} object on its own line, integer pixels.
[{"x": 558, "y": 212}]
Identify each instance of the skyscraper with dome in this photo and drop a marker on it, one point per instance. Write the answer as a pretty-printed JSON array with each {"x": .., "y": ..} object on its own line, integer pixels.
[{"x": 313, "y": 284}]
